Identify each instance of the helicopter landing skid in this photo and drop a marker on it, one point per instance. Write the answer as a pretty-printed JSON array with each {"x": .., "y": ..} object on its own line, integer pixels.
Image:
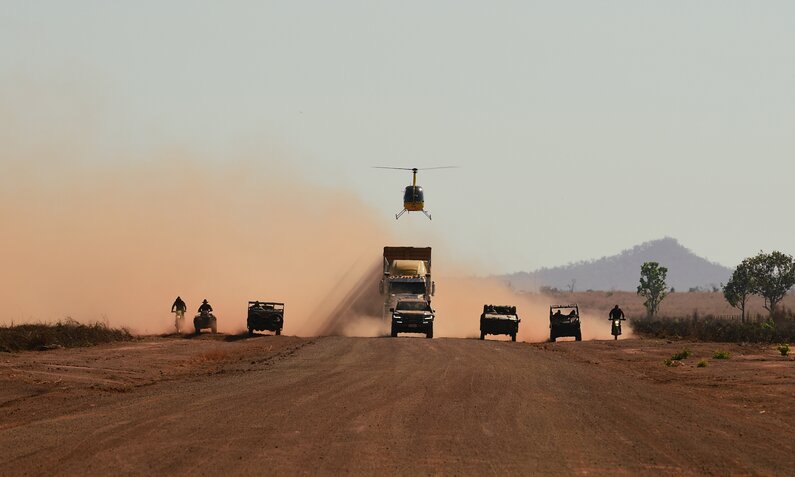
[{"x": 427, "y": 214}]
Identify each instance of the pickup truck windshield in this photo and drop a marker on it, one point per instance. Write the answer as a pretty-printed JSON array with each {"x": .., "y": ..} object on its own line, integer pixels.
[{"x": 412, "y": 306}]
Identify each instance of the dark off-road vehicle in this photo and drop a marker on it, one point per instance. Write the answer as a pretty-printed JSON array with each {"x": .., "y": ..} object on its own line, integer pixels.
[
  {"x": 412, "y": 316},
  {"x": 499, "y": 320},
  {"x": 265, "y": 315},
  {"x": 564, "y": 320},
  {"x": 203, "y": 320}
]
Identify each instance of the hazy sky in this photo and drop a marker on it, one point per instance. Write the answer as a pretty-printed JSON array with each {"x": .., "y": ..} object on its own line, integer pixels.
[{"x": 581, "y": 127}]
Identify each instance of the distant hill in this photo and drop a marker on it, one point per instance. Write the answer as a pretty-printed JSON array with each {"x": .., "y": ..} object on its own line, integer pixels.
[{"x": 622, "y": 272}]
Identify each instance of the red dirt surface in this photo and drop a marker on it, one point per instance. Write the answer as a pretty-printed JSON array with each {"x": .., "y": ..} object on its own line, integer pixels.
[{"x": 220, "y": 405}]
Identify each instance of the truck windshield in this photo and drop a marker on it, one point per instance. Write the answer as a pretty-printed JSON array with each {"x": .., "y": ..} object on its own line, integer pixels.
[
  {"x": 408, "y": 288},
  {"x": 411, "y": 306}
]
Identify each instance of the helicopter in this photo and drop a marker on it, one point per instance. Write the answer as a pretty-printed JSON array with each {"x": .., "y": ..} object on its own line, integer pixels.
[{"x": 413, "y": 197}]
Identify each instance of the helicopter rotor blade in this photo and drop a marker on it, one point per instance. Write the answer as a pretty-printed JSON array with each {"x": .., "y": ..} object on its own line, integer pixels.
[{"x": 416, "y": 168}]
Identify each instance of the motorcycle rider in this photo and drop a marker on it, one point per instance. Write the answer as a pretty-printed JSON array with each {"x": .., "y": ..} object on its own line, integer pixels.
[
  {"x": 616, "y": 316},
  {"x": 179, "y": 305},
  {"x": 178, "y": 308},
  {"x": 616, "y": 313}
]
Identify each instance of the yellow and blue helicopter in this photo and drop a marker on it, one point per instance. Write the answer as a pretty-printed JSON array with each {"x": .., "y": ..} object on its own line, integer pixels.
[{"x": 413, "y": 196}]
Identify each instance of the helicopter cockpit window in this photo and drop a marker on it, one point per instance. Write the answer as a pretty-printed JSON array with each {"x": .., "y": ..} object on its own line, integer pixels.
[{"x": 413, "y": 194}]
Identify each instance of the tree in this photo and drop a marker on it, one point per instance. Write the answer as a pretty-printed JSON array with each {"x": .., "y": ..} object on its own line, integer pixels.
[
  {"x": 741, "y": 286},
  {"x": 773, "y": 275},
  {"x": 652, "y": 286}
]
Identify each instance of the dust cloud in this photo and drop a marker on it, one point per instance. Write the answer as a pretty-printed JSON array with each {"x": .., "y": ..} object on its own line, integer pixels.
[
  {"x": 459, "y": 303},
  {"x": 97, "y": 234},
  {"x": 118, "y": 243}
]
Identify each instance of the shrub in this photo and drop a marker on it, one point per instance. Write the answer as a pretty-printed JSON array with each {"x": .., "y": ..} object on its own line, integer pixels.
[
  {"x": 783, "y": 348},
  {"x": 684, "y": 354},
  {"x": 710, "y": 328},
  {"x": 702, "y": 363},
  {"x": 721, "y": 354},
  {"x": 65, "y": 334}
]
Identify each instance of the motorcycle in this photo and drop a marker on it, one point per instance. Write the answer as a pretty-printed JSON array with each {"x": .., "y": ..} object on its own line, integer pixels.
[
  {"x": 615, "y": 329},
  {"x": 179, "y": 319}
]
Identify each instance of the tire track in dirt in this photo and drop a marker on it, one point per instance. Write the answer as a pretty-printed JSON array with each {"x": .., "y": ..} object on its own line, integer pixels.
[{"x": 406, "y": 406}]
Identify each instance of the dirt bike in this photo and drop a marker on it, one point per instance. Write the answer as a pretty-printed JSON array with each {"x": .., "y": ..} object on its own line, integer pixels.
[
  {"x": 179, "y": 319},
  {"x": 615, "y": 329}
]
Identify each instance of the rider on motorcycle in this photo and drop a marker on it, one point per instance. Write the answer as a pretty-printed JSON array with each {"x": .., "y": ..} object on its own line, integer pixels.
[
  {"x": 179, "y": 305},
  {"x": 616, "y": 316},
  {"x": 178, "y": 308},
  {"x": 616, "y": 313}
]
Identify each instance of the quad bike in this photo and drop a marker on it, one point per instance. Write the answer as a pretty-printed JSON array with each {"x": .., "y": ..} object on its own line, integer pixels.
[{"x": 203, "y": 320}]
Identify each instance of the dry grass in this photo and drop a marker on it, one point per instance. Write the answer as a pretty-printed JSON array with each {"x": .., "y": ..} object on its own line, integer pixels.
[
  {"x": 710, "y": 328},
  {"x": 677, "y": 304},
  {"x": 64, "y": 334},
  {"x": 704, "y": 316},
  {"x": 212, "y": 356}
]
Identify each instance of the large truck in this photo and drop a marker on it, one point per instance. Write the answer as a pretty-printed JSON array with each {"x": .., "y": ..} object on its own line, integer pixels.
[{"x": 407, "y": 276}]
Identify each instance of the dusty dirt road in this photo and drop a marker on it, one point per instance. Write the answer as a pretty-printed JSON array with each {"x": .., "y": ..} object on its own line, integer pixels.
[{"x": 403, "y": 406}]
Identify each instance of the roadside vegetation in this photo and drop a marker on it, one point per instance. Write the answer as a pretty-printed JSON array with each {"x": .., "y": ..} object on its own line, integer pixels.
[
  {"x": 768, "y": 275},
  {"x": 64, "y": 334},
  {"x": 721, "y": 354},
  {"x": 780, "y": 328}
]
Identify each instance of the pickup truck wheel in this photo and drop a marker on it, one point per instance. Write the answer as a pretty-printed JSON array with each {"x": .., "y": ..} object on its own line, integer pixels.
[
  {"x": 552, "y": 337},
  {"x": 251, "y": 331},
  {"x": 578, "y": 336},
  {"x": 394, "y": 332},
  {"x": 513, "y": 337},
  {"x": 278, "y": 332},
  {"x": 429, "y": 333},
  {"x": 198, "y": 330},
  {"x": 482, "y": 335}
]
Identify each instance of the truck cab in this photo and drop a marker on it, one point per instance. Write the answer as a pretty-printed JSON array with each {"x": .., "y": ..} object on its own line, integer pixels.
[{"x": 412, "y": 316}]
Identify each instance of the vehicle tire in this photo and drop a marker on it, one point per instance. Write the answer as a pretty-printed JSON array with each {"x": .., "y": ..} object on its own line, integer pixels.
[
  {"x": 394, "y": 332},
  {"x": 513, "y": 336},
  {"x": 429, "y": 333},
  {"x": 578, "y": 336},
  {"x": 278, "y": 332},
  {"x": 251, "y": 331},
  {"x": 482, "y": 335},
  {"x": 198, "y": 330},
  {"x": 552, "y": 337},
  {"x": 615, "y": 337}
]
